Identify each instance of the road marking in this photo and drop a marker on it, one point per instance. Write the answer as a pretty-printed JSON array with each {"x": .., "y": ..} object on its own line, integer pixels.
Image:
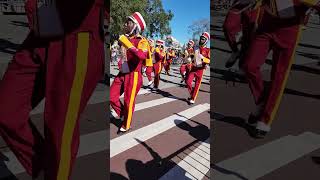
[
  {"x": 149, "y": 104},
  {"x": 264, "y": 159},
  {"x": 193, "y": 166},
  {"x": 127, "y": 141},
  {"x": 156, "y": 102},
  {"x": 89, "y": 144}
]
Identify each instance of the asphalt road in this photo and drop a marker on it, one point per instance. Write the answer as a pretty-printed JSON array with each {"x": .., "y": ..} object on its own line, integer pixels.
[
  {"x": 287, "y": 151},
  {"x": 169, "y": 138}
]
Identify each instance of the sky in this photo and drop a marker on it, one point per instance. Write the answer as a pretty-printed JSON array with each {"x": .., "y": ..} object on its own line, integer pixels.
[{"x": 185, "y": 12}]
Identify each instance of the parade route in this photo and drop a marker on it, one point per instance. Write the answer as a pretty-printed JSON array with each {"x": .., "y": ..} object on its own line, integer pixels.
[{"x": 169, "y": 138}]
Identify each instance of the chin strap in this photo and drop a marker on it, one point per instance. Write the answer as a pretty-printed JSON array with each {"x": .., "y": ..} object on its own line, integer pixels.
[{"x": 133, "y": 29}]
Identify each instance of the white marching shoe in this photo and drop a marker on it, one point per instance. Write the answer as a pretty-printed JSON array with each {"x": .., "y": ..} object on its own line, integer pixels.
[
  {"x": 114, "y": 114},
  {"x": 123, "y": 129},
  {"x": 151, "y": 82}
]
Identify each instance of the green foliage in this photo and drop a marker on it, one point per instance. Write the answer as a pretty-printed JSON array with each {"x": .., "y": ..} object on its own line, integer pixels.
[
  {"x": 120, "y": 9},
  {"x": 157, "y": 19}
]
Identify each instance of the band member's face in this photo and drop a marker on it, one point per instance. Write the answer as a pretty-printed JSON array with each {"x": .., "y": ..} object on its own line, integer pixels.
[
  {"x": 202, "y": 40},
  {"x": 160, "y": 47},
  {"x": 189, "y": 45},
  {"x": 128, "y": 26}
]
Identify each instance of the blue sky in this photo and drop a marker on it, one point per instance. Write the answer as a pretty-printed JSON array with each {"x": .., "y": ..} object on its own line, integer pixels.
[{"x": 185, "y": 12}]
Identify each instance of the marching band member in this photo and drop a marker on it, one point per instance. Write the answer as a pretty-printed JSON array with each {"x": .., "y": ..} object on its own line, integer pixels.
[
  {"x": 169, "y": 59},
  {"x": 200, "y": 60},
  {"x": 186, "y": 64},
  {"x": 129, "y": 80},
  {"x": 65, "y": 71},
  {"x": 279, "y": 30},
  {"x": 159, "y": 58},
  {"x": 149, "y": 62}
]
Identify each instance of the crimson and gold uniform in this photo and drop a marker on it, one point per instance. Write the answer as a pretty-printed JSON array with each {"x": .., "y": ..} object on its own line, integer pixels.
[
  {"x": 129, "y": 82},
  {"x": 169, "y": 59},
  {"x": 279, "y": 30},
  {"x": 196, "y": 71},
  {"x": 149, "y": 62},
  {"x": 159, "y": 58},
  {"x": 63, "y": 70},
  {"x": 186, "y": 64}
]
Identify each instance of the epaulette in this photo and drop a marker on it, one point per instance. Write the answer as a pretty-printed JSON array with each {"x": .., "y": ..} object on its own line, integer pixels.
[{"x": 141, "y": 37}]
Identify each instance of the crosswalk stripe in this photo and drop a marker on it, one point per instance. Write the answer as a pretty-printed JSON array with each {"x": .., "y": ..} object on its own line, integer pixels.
[
  {"x": 149, "y": 104},
  {"x": 127, "y": 141},
  {"x": 193, "y": 166},
  {"x": 155, "y": 102},
  {"x": 264, "y": 159},
  {"x": 89, "y": 144},
  {"x": 204, "y": 149}
]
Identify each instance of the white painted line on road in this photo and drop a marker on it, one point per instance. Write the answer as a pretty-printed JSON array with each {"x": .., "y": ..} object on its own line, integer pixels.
[
  {"x": 193, "y": 166},
  {"x": 264, "y": 159},
  {"x": 150, "y": 104},
  {"x": 127, "y": 141},
  {"x": 89, "y": 144},
  {"x": 156, "y": 102}
]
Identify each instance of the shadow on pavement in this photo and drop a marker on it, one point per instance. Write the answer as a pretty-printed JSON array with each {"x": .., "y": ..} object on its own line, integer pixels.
[
  {"x": 297, "y": 67},
  {"x": 19, "y": 23},
  {"x": 167, "y": 94},
  {"x": 237, "y": 121},
  {"x": 117, "y": 176},
  {"x": 158, "y": 166},
  {"x": 8, "y": 47},
  {"x": 316, "y": 159},
  {"x": 305, "y": 69},
  {"x": 309, "y": 46},
  {"x": 309, "y": 55},
  {"x": 228, "y": 172},
  {"x": 298, "y": 93},
  {"x": 184, "y": 85},
  {"x": 152, "y": 169},
  {"x": 229, "y": 75},
  {"x": 199, "y": 132},
  {"x": 5, "y": 173}
]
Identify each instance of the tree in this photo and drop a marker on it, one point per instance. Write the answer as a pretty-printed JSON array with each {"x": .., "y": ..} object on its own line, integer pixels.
[
  {"x": 120, "y": 9},
  {"x": 198, "y": 27},
  {"x": 157, "y": 19}
]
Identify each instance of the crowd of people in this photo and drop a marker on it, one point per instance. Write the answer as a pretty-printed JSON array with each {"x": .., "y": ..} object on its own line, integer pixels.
[{"x": 135, "y": 55}]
